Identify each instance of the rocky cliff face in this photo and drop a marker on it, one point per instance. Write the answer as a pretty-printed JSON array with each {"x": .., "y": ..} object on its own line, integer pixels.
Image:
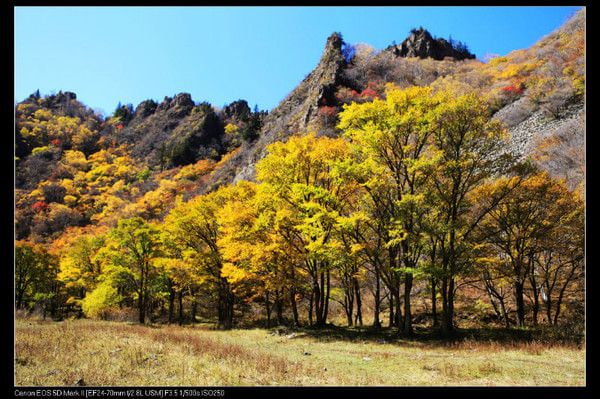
[
  {"x": 174, "y": 132},
  {"x": 237, "y": 111},
  {"x": 421, "y": 44},
  {"x": 556, "y": 143},
  {"x": 297, "y": 113}
]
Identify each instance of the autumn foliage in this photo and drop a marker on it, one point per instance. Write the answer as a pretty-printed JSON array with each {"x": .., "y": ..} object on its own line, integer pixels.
[
  {"x": 388, "y": 208},
  {"x": 412, "y": 212}
]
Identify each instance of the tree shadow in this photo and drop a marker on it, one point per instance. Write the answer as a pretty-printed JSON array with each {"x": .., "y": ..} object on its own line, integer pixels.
[{"x": 426, "y": 336}]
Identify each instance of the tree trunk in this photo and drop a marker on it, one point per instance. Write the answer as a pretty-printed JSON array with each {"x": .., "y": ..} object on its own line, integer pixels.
[
  {"x": 328, "y": 290},
  {"x": 171, "y": 304},
  {"x": 268, "y": 309},
  {"x": 321, "y": 290},
  {"x": 318, "y": 293},
  {"x": 230, "y": 309},
  {"x": 141, "y": 309},
  {"x": 408, "y": 282},
  {"x": 520, "y": 303},
  {"x": 448, "y": 306},
  {"x": 19, "y": 299},
  {"x": 534, "y": 288},
  {"x": 180, "y": 301},
  {"x": 194, "y": 308},
  {"x": 320, "y": 320},
  {"x": 358, "y": 320},
  {"x": 562, "y": 293},
  {"x": 536, "y": 306},
  {"x": 225, "y": 305},
  {"x": 548, "y": 303},
  {"x": 310, "y": 308},
  {"x": 434, "y": 302},
  {"x": 377, "y": 300},
  {"x": 391, "y": 300},
  {"x": 504, "y": 312},
  {"x": 398, "y": 321},
  {"x": 279, "y": 307},
  {"x": 294, "y": 307},
  {"x": 445, "y": 329},
  {"x": 348, "y": 303}
]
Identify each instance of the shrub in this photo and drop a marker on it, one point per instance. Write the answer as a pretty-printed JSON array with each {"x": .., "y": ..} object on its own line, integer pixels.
[
  {"x": 40, "y": 150},
  {"x": 97, "y": 303},
  {"x": 39, "y": 206},
  {"x": 346, "y": 95}
]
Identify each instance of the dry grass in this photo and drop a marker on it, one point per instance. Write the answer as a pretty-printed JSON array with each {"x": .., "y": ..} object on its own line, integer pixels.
[{"x": 110, "y": 353}]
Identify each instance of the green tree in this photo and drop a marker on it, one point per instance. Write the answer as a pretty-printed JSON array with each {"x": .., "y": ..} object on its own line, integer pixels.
[
  {"x": 131, "y": 250},
  {"x": 35, "y": 278}
]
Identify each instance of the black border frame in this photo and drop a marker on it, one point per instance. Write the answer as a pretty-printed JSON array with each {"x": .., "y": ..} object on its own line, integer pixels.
[{"x": 7, "y": 214}]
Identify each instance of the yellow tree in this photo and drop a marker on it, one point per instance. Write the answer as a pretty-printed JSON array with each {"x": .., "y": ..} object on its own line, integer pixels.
[
  {"x": 469, "y": 148},
  {"x": 193, "y": 227},
  {"x": 306, "y": 197},
  {"x": 390, "y": 141},
  {"x": 561, "y": 264},
  {"x": 131, "y": 251},
  {"x": 79, "y": 266},
  {"x": 531, "y": 220},
  {"x": 257, "y": 260},
  {"x": 181, "y": 274}
]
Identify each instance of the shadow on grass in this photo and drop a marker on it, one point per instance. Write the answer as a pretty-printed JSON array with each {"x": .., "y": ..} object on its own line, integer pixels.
[
  {"x": 432, "y": 337},
  {"x": 543, "y": 335}
]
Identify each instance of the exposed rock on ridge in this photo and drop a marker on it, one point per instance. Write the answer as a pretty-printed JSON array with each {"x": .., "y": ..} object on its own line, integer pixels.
[
  {"x": 568, "y": 131},
  {"x": 421, "y": 44},
  {"x": 297, "y": 113},
  {"x": 175, "y": 131}
]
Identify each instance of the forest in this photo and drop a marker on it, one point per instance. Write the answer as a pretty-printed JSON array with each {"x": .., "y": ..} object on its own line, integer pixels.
[{"x": 414, "y": 201}]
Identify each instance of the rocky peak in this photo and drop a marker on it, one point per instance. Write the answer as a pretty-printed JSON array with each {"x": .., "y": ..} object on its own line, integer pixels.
[
  {"x": 60, "y": 99},
  {"x": 238, "y": 110},
  {"x": 165, "y": 104},
  {"x": 333, "y": 45},
  {"x": 183, "y": 100},
  {"x": 420, "y": 43},
  {"x": 296, "y": 114},
  {"x": 328, "y": 72},
  {"x": 66, "y": 96},
  {"x": 145, "y": 109},
  {"x": 177, "y": 107}
]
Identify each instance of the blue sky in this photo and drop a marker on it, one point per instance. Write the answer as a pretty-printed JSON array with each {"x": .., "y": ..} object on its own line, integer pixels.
[{"x": 220, "y": 54}]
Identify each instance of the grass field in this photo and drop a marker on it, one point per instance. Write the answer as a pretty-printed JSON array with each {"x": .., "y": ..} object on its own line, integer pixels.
[{"x": 111, "y": 353}]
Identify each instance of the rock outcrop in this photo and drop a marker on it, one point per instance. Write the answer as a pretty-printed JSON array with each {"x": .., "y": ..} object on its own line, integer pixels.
[
  {"x": 237, "y": 111},
  {"x": 567, "y": 134},
  {"x": 297, "y": 113},
  {"x": 174, "y": 132},
  {"x": 145, "y": 109},
  {"x": 421, "y": 44}
]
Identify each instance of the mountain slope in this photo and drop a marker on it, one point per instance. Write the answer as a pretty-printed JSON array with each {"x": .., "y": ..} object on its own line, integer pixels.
[
  {"x": 537, "y": 93},
  {"x": 75, "y": 168}
]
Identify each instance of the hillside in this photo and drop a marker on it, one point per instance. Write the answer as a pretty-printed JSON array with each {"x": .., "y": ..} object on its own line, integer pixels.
[{"x": 537, "y": 92}]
